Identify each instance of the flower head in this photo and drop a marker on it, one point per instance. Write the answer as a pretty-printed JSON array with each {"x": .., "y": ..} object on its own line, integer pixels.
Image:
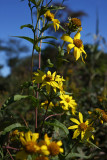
[
  {"x": 99, "y": 114},
  {"x": 68, "y": 102},
  {"x": 49, "y": 80},
  {"x": 81, "y": 127},
  {"x": 53, "y": 147},
  {"x": 75, "y": 43},
  {"x": 50, "y": 16},
  {"x": 29, "y": 142}
]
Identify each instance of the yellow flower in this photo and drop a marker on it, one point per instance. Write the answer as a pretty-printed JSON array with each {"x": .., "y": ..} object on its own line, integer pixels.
[
  {"x": 53, "y": 147},
  {"x": 99, "y": 114},
  {"x": 50, "y": 16},
  {"x": 81, "y": 127},
  {"x": 49, "y": 80},
  {"x": 68, "y": 102},
  {"x": 75, "y": 43},
  {"x": 45, "y": 103},
  {"x": 29, "y": 142}
]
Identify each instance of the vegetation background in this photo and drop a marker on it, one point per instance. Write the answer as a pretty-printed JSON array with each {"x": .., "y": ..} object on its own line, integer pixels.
[{"x": 88, "y": 82}]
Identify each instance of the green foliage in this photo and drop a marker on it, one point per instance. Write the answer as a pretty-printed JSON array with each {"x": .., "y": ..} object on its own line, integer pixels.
[{"x": 46, "y": 104}]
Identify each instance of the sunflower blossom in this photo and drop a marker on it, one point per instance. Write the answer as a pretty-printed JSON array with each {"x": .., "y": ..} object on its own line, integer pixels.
[
  {"x": 49, "y": 80},
  {"x": 82, "y": 128},
  {"x": 75, "y": 43},
  {"x": 53, "y": 147},
  {"x": 31, "y": 146},
  {"x": 68, "y": 102},
  {"x": 50, "y": 16}
]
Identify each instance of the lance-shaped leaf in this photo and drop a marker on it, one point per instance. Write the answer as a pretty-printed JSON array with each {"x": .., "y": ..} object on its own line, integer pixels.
[
  {"x": 59, "y": 125},
  {"x": 16, "y": 98},
  {"x": 28, "y": 26}
]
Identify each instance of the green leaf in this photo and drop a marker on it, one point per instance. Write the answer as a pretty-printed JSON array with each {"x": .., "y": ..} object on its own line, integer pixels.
[
  {"x": 93, "y": 144},
  {"x": 28, "y": 26},
  {"x": 10, "y": 128},
  {"x": 15, "y": 98},
  {"x": 72, "y": 155},
  {"x": 36, "y": 40},
  {"x": 59, "y": 125}
]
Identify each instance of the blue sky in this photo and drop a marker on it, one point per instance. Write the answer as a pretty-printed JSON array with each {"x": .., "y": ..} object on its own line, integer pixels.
[{"x": 14, "y": 13}]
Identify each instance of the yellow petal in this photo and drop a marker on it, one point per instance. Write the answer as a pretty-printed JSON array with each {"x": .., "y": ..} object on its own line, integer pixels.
[
  {"x": 77, "y": 53},
  {"x": 75, "y": 120},
  {"x": 80, "y": 117},
  {"x": 61, "y": 150},
  {"x": 48, "y": 88},
  {"x": 67, "y": 38},
  {"x": 69, "y": 47},
  {"x": 28, "y": 136},
  {"x": 73, "y": 127},
  {"x": 56, "y": 23},
  {"x": 22, "y": 140},
  {"x": 76, "y": 134},
  {"x": 59, "y": 143},
  {"x": 82, "y": 135},
  {"x": 35, "y": 136},
  {"x": 77, "y": 36}
]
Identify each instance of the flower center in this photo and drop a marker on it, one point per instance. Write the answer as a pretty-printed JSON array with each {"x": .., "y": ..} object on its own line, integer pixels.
[
  {"x": 76, "y": 22},
  {"x": 54, "y": 149},
  {"x": 67, "y": 100},
  {"x": 31, "y": 147},
  {"x": 77, "y": 43},
  {"x": 83, "y": 126},
  {"x": 48, "y": 78},
  {"x": 50, "y": 16}
]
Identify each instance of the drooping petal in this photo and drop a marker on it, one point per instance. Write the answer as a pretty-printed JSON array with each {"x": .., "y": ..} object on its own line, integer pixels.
[
  {"x": 48, "y": 88},
  {"x": 23, "y": 141},
  {"x": 35, "y": 136},
  {"x": 75, "y": 120},
  {"x": 67, "y": 38},
  {"x": 76, "y": 134},
  {"x": 56, "y": 23},
  {"x": 69, "y": 47},
  {"x": 77, "y": 53},
  {"x": 77, "y": 36},
  {"x": 82, "y": 134},
  {"x": 73, "y": 127},
  {"x": 28, "y": 136},
  {"x": 80, "y": 117}
]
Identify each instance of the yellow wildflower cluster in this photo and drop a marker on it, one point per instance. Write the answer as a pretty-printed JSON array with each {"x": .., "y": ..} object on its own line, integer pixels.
[
  {"x": 42, "y": 149},
  {"x": 76, "y": 43},
  {"x": 49, "y": 80}
]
